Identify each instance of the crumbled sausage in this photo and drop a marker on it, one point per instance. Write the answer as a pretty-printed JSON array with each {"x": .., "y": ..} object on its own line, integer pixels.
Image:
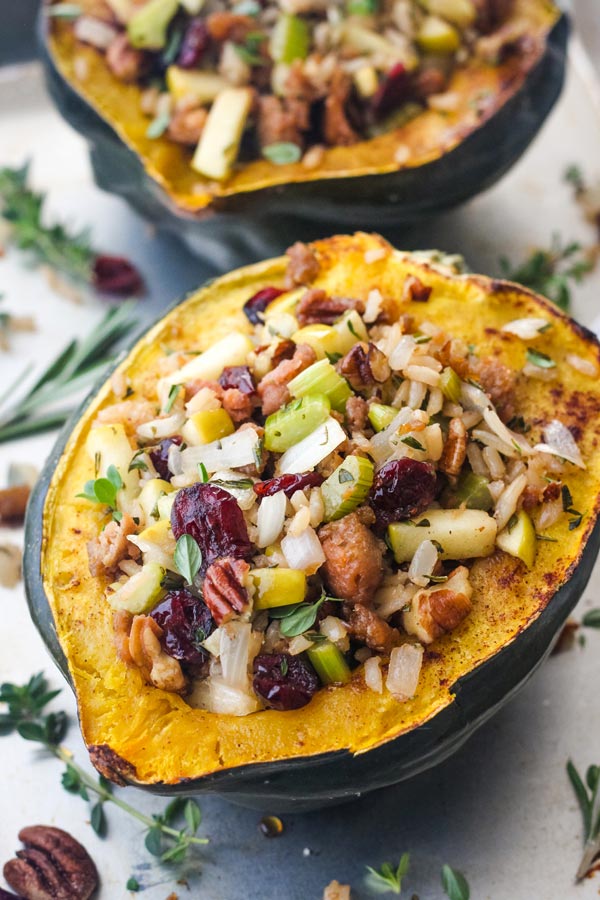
[
  {"x": 315, "y": 306},
  {"x": 273, "y": 388},
  {"x": 498, "y": 381},
  {"x": 129, "y": 413},
  {"x": 370, "y": 629},
  {"x": 281, "y": 121},
  {"x": 357, "y": 412},
  {"x": 186, "y": 126},
  {"x": 353, "y": 565},
  {"x": 303, "y": 266},
  {"x": 415, "y": 290},
  {"x": 337, "y": 130},
  {"x": 106, "y": 551},
  {"x": 428, "y": 81},
  {"x": 491, "y": 13},
  {"x": 124, "y": 61},
  {"x": 455, "y": 448},
  {"x": 228, "y": 26},
  {"x": 238, "y": 405}
]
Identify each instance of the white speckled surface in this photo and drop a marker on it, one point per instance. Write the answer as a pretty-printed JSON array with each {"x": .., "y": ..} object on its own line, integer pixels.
[{"x": 502, "y": 809}]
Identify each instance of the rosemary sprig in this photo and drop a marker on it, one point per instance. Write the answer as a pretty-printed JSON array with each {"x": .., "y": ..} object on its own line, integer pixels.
[
  {"x": 551, "y": 272},
  {"x": 68, "y": 252},
  {"x": 26, "y": 715},
  {"x": 588, "y": 797},
  {"x": 73, "y": 369}
]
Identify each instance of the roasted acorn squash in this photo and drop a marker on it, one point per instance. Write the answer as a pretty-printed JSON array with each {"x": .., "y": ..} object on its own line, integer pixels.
[
  {"x": 348, "y": 739},
  {"x": 449, "y": 156}
]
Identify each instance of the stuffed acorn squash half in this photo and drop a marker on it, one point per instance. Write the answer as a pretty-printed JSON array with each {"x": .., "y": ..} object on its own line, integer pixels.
[
  {"x": 194, "y": 108},
  {"x": 325, "y": 517}
]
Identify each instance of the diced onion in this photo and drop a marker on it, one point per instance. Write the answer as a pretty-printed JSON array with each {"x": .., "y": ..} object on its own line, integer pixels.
[
  {"x": 204, "y": 400},
  {"x": 335, "y": 631},
  {"x": 402, "y": 352},
  {"x": 423, "y": 374},
  {"x": 213, "y": 642},
  {"x": 234, "y": 652},
  {"x": 271, "y": 516},
  {"x": 373, "y": 678},
  {"x": 423, "y": 563},
  {"x": 299, "y": 644},
  {"x": 404, "y": 671},
  {"x": 558, "y": 441},
  {"x": 225, "y": 699},
  {"x": 507, "y": 503},
  {"x": 158, "y": 429},
  {"x": 245, "y": 496},
  {"x": 311, "y": 450},
  {"x": 94, "y": 31},
  {"x": 526, "y": 329},
  {"x": 231, "y": 452},
  {"x": 509, "y": 437},
  {"x": 303, "y": 551},
  {"x": 585, "y": 366}
]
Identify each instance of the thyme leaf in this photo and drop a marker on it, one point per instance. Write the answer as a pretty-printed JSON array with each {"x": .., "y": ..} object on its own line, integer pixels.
[
  {"x": 388, "y": 879},
  {"x": 551, "y": 272}
]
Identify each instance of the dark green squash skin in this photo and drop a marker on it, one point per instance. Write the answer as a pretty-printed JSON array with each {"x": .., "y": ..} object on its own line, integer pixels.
[
  {"x": 301, "y": 784},
  {"x": 254, "y": 225}
]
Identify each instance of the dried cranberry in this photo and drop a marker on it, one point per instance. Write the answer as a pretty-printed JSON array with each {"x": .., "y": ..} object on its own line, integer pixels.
[
  {"x": 284, "y": 681},
  {"x": 213, "y": 518},
  {"x": 258, "y": 303},
  {"x": 186, "y": 622},
  {"x": 391, "y": 92},
  {"x": 288, "y": 484},
  {"x": 116, "y": 275},
  {"x": 194, "y": 44},
  {"x": 160, "y": 457},
  {"x": 401, "y": 489},
  {"x": 238, "y": 377}
]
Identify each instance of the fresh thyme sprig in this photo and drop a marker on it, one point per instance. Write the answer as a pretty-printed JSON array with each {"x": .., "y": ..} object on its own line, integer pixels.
[
  {"x": 26, "y": 715},
  {"x": 551, "y": 272},
  {"x": 68, "y": 252},
  {"x": 75, "y": 367},
  {"x": 588, "y": 797},
  {"x": 387, "y": 879}
]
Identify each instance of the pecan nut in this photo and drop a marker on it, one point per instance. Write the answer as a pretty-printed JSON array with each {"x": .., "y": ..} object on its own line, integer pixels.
[
  {"x": 223, "y": 589},
  {"x": 52, "y": 866},
  {"x": 365, "y": 365},
  {"x": 13, "y": 503},
  {"x": 316, "y": 306},
  {"x": 455, "y": 448},
  {"x": 147, "y": 653},
  {"x": 415, "y": 290}
]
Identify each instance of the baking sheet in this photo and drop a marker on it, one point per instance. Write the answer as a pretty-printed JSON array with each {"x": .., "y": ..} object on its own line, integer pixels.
[{"x": 502, "y": 809}]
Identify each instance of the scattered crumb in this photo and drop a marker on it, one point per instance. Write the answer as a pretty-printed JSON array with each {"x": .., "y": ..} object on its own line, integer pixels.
[
  {"x": 10, "y": 565},
  {"x": 336, "y": 891}
]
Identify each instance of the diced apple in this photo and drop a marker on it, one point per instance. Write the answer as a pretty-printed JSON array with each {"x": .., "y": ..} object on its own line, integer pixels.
[
  {"x": 219, "y": 144},
  {"x": 140, "y": 593},
  {"x": 207, "y": 426},
  {"x": 460, "y": 534},
  {"x": 519, "y": 539}
]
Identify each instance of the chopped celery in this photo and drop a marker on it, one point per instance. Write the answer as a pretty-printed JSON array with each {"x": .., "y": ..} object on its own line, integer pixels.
[
  {"x": 140, "y": 593},
  {"x": 322, "y": 338},
  {"x": 147, "y": 28},
  {"x": 290, "y": 39},
  {"x": 207, "y": 426},
  {"x": 321, "y": 378},
  {"x": 347, "y": 487},
  {"x": 278, "y": 587},
  {"x": 437, "y": 36},
  {"x": 290, "y": 425},
  {"x": 380, "y": 415},
  {"x": 471, "y": 491},
  {"x": 459, "y": 534},
  {"x": 450, "y": 384},
  {"x": 329, "y": 663},
  {"x": 519, "y": 539},
  {"x": 152, "y": 491},
  {"x": 351, "y": 329}
]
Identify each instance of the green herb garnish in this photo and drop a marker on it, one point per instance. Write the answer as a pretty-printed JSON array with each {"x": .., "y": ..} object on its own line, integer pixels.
[
  {"x": 455, "y": 884},
  {"x": 172, "y": 397},
  {"x": 188, "y": 557},
  {"x": 550, "y": 272},
  {"x": 158, "y": 126},
  {"x": 203, "y": 472},
  {"x": 132, "y": 884},
  {"x": 26, "y": 715},
  {"x": 588, "y": 797},
  {"x": 591, "y": 619},
  {"x": 282, "y": 153},
  {"x": 537, "y": 358},
  {"x": 105, "y": 490},
  {"x": 412, "y": 442},
  {"x": 388, "y": 879},
  {"x": 301, "y": 617}
]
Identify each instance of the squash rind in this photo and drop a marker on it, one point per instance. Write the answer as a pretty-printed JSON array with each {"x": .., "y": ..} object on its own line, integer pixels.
[{"x": 376, "y": 741}]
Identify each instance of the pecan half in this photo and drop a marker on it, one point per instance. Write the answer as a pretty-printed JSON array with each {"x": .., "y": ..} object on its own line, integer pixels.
[
  {"x": 53, "y": 866},
  {"x": 455, "y": 448},
  {"x": 223, "y": 589},
  {"x": 364, "y": 365},
  {"x": 13, "y": 503},
  {"x": 316, "y": 306},
  {"x": 147, "y": 653},
  {"x": 414, "y": 289}
]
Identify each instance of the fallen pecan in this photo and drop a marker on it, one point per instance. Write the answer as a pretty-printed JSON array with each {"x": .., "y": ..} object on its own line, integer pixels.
[
  {"x": 53, "y": 866},
  {"x": 13, "y": 503},
  {"x": 455, "y": 448},
  {"x": 223, "y": 589},
  {"x": 364, "y": 365},
  {"x": 316, "y": 306},
  {"x": 303, "y": 266},
  {"x": 414, "y": 289}
]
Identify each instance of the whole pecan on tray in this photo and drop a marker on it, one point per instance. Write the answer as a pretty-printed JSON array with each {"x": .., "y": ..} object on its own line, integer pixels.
[{"x": 52, "y": 866}]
